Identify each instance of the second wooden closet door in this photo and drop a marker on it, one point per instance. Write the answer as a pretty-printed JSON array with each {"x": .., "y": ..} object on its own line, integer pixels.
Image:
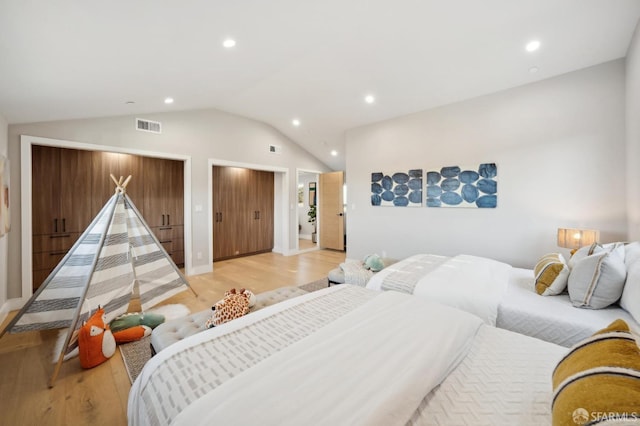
[{"x": 242, "y": 212}]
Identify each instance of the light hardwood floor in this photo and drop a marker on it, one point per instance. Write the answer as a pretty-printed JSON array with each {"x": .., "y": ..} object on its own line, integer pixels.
[
  {"x": 99, "y": 396},
  {"x": 306, "y": 244}
]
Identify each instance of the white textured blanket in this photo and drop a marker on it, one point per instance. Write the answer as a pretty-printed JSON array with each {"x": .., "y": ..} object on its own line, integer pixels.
[
  {"x": 473, "y": 284},
  {"x": 355, "y": 273},
  {"x": 382, "y": 351}
]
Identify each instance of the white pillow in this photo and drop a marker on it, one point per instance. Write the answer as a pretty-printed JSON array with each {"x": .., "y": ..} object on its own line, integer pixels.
[
  {"x": 596, "y": 281},
  {"x": 630, "y": 299},
  {"x": 631, "y": 253},
  {"x": 583, "y": 252},
  {"x": 551, "y": 274}
]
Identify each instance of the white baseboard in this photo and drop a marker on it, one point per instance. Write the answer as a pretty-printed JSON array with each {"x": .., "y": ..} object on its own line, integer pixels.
[
  {"x": 202, "y": 269},
  {"x": 4, "y": 311},
  {"x": 11, "y": 305},
  {"x": 17, "y": 303}
]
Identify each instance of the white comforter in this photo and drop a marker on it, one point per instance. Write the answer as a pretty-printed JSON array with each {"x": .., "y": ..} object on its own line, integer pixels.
[
  {"x": 473, "y": 284},
  {"x": 372, "y": 365}
]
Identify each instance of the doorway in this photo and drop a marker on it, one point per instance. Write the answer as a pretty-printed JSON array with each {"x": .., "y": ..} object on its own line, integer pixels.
[
  {"x": 307, "y": 202},
  {"x": 332, "y": 211}
]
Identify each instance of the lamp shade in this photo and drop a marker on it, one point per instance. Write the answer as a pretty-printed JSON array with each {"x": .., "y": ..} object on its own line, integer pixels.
[{"x": 576, "y": 238}]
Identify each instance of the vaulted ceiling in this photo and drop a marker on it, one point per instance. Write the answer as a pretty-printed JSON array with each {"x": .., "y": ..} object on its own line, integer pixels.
[{"x": 314, "y": 61}]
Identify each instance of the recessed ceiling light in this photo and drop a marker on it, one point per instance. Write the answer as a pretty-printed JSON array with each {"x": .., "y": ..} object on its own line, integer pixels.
[
  {"x": 533, "y": 70},
  {"x": 334, "y": 152},
  {"x": 295, "y": 122},
  {"x": 532, "y": 46},
  {"x": 168, "y": 100},
  {"x": 369, "y": 99},
  {"x": 129, "y": 102},
  {"x": 229, "y": 43}
]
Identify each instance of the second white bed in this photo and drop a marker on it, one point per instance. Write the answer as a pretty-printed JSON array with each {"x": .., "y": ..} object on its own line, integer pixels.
[
  {"x": 497, "y": 293},
  {"x": 551, "y": 318}
]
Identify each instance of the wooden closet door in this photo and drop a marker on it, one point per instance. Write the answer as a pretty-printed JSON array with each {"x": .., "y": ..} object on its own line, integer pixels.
[
  {"x": 219, "y": 236},
  {"x": 229, "y": 212},
  {"x": 75, "y": 189},
  {"x": 261, "y": 211},
  {"x": 131, "y": 165},
  {"x": 155, "y": 184},
  {"x": 175, "y": 187},
  {"x": 102, "y": 187},
  {"x": 104, "y": 164},
  {"x": 242, "y": 211},
  {"x": 174, "y": 206},
  {"x": 45, "y": 175},
  {"x": 61, "y": 205},
  {"x": 164, "y": 203}
]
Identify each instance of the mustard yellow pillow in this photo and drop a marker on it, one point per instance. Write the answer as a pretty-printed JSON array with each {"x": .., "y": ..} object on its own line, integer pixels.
[
  {"x": 551, "y": 273},
  {"x": 599, "y": 377}
]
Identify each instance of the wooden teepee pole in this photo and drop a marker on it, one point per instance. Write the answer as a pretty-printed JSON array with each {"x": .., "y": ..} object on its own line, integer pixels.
[
  {"x": 121, "y": 184},
  {"x": 74, "y": 321}
]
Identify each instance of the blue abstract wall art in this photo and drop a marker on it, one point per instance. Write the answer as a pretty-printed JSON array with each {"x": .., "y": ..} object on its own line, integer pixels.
[
  {"x": 400, "y": 189},
  {"x": 456, "y": 186}
]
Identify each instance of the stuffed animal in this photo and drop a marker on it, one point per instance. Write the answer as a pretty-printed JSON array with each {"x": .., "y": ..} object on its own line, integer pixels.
[
  {"x": 95, "y": 341},
  {"x": 135, "y": 319},
  {"x": 134, "y": 326},
  {"x": 132, "y": 334},
  {"x": 234, "y": 305}
]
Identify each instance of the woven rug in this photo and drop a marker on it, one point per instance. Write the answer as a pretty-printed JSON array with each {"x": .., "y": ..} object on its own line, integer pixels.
[
  {"x": 315, "y": 285},
  {"x": 135, "y": 355}
]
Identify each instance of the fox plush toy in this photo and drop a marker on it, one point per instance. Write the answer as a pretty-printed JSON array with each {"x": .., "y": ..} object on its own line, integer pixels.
[{"x": 95, "y": 342}]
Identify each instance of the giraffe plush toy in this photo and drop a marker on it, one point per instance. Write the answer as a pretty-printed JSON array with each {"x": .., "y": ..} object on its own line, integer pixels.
[{"x": 234, "y": 305}]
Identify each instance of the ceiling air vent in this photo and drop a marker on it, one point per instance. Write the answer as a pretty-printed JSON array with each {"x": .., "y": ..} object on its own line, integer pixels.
[
  {"x": 148, "y": 126},
  {"x": 275, "y": 149}
]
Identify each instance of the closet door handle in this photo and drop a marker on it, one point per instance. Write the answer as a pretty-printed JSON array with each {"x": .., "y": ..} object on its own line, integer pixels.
[
  {"x": 168, "y": 219},
  {"x": 258, "y": 214},
  {"x": 162, "y": 220},
  {"x": 64, "y": 225},
  {"x": 220, "y": 216},
  {"x": 55, "y": 225}
]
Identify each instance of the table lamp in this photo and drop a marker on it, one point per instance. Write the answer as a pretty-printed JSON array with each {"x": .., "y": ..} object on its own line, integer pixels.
[{"x": 575, "y": 238}]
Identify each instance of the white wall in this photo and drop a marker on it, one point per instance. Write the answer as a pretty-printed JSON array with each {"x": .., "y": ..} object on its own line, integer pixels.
[
  {"x": 560, "y": 149},
  {"x": 633, "y": 135},
  {"x": 4, "y": 276},
  {"x": 202, "y": 135}
]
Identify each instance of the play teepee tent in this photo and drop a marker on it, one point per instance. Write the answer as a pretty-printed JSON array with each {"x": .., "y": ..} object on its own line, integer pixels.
[{"x": 114, "y": 253}]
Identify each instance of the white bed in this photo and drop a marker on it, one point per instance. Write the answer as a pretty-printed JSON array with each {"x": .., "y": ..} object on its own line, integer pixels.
[
  {"x": 347, "y": 355},
  {"x": 551, "y": 318},
  {"x": 499, "y": 294}
]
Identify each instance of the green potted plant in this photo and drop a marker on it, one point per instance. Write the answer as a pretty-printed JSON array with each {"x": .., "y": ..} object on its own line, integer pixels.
[{"x": 312, "y": 220}]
